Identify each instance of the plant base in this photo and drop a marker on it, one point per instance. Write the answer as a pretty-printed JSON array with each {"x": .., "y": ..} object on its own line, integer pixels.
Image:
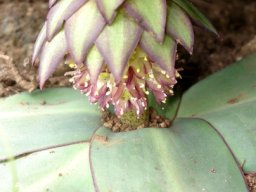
[{"x": 128, "y": 123}]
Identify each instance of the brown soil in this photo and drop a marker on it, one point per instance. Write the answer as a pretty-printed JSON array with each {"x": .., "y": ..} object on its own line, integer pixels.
[
  {"x": 251, "y": 179},
  {"x": 20, "y": 22}
]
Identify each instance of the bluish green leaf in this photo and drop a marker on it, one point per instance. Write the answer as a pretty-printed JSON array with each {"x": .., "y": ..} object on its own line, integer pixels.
[
  {"x": 227, "y": 100},
  {"x": 41, "y": 120},
  {"x": 58, "y": 169},
  {"x": 190, "y": 156}
]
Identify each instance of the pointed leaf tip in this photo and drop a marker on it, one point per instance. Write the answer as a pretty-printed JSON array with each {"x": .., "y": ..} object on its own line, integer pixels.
[
  {"x": 180, "y": 27},
  {"x": 52, "y": 54},
  {"x": 94, "y": 62},
  {"x": 80, "y": 34},
  {"x": 117, "y": 42},
  {"x": 162, "y": 54},
  {"x": 39, "y": 43},
  {"x": 151, "y": 16},
  {"x": 196, "y": 15},
  {"x": 60, "y": 12},
  {"x": 108, "y": 8}
]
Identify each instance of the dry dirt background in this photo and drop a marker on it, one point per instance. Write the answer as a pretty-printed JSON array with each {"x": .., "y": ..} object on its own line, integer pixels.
[{"x": 20, "y": 22}]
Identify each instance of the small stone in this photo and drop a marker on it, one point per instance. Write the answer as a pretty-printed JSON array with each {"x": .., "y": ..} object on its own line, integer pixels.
[
  {"x": 108, "y": 124},
  {"x": 116, "y": 128},
  {"x": 162, "y": 125}
]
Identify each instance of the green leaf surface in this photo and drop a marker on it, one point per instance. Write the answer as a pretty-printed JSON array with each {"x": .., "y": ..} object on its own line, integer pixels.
[
  {"x": 190, "y": 156},
  {"x": 196, "y": 15},
  {"x": 228, "y": 101},
  {"x": 61, "y": 169},
  {"x": 31, "y": 122}
]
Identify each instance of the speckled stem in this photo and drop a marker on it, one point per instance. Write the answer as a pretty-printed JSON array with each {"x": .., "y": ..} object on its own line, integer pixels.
[{"x": 130, "y": 118}]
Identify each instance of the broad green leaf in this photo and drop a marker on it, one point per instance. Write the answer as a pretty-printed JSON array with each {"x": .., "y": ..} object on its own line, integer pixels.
[
  {"x": 82, "y": 29},
  {"x": 196, "y": 15},
  {"x": 190, "y": 156},
  {"x": 228, "y": 101},
  {"x": 151, "y": 15},
  {"x": 108, "y": 8},
  {"x": 162, "y": 54},
  {"x": 179, "y": 27},
  {"x": 58, "y": 169},
  {"x": 54, "y": 117},
  {"x": 117, "y": 42}
]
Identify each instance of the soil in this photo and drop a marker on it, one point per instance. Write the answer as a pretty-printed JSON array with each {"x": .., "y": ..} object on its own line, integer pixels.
[
  {"x": 20, "y": 22},
  {"x": 251, "y": 179}
]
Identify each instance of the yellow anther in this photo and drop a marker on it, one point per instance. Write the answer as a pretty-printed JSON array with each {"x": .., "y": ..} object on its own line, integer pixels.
[
  {"x": 72, "y": 65},
  {"x": 171, "y": 91},
  {"x": 151, "y": 75}
]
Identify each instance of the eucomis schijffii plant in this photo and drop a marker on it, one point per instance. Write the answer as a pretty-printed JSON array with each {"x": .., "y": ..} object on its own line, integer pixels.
[{"x": 120, "y": 50}]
